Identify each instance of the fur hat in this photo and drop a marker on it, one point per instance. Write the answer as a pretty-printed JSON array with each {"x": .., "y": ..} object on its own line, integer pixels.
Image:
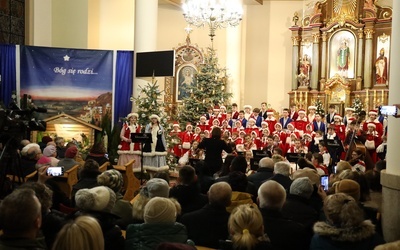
[
  {"x": 247, "y": 107},
  {"x": 101, "y": 199},
  {"x": 156, "y": 187},
  {"x": 132, "y": 114},
  {"x": 155, "y": 116},
  {"x": 270, "y": 112},
  {"x": 112, "y": 179},
  {"x": 301, "y": 111},
  {"x": 349, "y": 109},
  {"x": 312, "y": 107},
  {"x": 216, "y": 108},
  {"x": 160, "y": 210},
  {"x": 348, "y": 187},
  {"x": 373, "y": 112},
  {"x": 307, "y": 172},
  {"x": 49, "y": 150},
  {"x": 371, "y": 124},
  {"x": 46, "y": 139},
  {"x": 71, "y": 152},
  {"x": 337, "y": 116}
]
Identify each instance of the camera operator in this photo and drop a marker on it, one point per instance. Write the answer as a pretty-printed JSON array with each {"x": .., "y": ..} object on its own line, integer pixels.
[{"x": 30, "y": 155}]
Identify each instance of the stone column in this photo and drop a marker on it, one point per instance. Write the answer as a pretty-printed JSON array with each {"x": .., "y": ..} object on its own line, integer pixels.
[
  {"x": 390, "y": 179},
  {"x": 360, "y": 57},
  {"x": 368, "y": 58},
  {"x": 323, "y": 62},
  {"x": 315, "y": 62},
  {"x": 145, "y": 34},
  {"x": 295, "y": 60}
]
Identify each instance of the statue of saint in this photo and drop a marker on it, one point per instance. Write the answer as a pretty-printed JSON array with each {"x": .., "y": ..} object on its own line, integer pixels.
[
  {"x": 343, "y": 58},
  {"x": 295, "y": 18},
  {"x": 381, "y": 64},
  {"x": 305, "y": 68}
]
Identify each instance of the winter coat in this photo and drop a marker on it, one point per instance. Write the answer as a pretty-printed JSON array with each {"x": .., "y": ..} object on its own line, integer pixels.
[
  {"x": 147, "y": 236},
  {"x": 329, "y": 237}
]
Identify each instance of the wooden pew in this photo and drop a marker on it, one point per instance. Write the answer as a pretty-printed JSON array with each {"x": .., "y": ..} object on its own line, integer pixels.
[
  {"x": 103, "y": 167},
  {"x": 66, "y": 181},
  {"x": 28, "y": 177},
  {"x": 131, "y": 183}
]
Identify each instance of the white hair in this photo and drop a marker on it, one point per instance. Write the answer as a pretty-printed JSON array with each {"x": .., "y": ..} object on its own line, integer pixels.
[
  {"x": 302, "y": 187},
  {"x": 282, "y": 168},
  {"x": 266, "y": 162},
  {"x": 271, "y": 194}
]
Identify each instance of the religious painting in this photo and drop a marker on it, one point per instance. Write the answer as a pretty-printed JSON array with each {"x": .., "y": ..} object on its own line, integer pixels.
[
  {"x": 382, "y": 60},
  {"x": 186, "y": 79},
  {"x": 305, "y": 68},
  {"x": 342, "y": 54}
]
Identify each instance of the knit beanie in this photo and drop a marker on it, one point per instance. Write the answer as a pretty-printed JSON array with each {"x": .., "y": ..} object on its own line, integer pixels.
[
  {"x": 156, "y": 187},
  {"x": 101, "y": 199},
  {"x": 302, "y": 187},
  {"x": 112, "y": 179},
  {"x": 348, "y": 187},
  {"x": 71, "y": 152},
  {"x": 46, "y": 139},
  {"x": 160, "y": 210},
  {"x": 43, "y": 160},
  {"x": 49, "y": 150}
]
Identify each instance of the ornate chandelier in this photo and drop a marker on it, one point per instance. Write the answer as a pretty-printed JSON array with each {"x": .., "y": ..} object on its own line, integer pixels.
[{"x": 215, "y": 13}]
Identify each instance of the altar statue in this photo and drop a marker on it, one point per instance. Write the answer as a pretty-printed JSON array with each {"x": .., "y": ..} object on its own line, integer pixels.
[
  {"x": 343, "y": 58},
  {"x": 381, "y": 64}
]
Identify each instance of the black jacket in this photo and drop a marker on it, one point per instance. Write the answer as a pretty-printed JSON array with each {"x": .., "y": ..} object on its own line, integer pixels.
[
  {"x": 189, "y": 197},
  {"x": 279, "y": 229},
  {"x": 207, "y": 225},
  {"x": 260, "y": 176},
  {"x": 285, "y": 181},
  {"x": 214, "y": 148}
]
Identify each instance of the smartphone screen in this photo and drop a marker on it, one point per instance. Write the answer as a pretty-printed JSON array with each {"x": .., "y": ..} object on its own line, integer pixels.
[
  {"x": 325, "y": 182},
  {"x": 55, "y": 171}
]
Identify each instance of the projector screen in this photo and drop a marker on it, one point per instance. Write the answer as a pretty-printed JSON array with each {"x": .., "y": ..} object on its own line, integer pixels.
[{"x": 161, "y": 63}]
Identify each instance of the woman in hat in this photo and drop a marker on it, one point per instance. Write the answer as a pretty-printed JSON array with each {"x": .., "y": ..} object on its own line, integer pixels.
[
  {"x": 154, "y": 153},
  {"x": 128, "y": 150}
]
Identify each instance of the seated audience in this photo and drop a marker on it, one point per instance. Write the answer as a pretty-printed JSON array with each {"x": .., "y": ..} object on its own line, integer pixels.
[
  {"x": 122, "y": 208},
  {"x": 52, "y": 220},
  {"x": 298, "y": 205},
  {"x": 68, "y": 162},
  {"x": 87, "y": 177},
  {"x": 246, "y": 228},
  {"x": 45, "y": 140},
  {"x": 281, "y": 174},
  {"x": 19, "y": 224},
  {"x": 60, "y": 146},
  {"x": 209, "y": 224},
  {"x": 264, "y": 172},
  {"x": 374, "y": 182},
  {"x": 98, "y": 202},
  {"x": 51, "y": 152},
  {"x": 345, "y": 227},
  {"x": 318, "y": 161},
  {"x": 30, "y": 154},
  {"x": 360, "y": 178},
  {"x": 98, "y": 153},
  {"x": 82, "y": 233},
  {"x": 159, "y": 226},
  {"x": 154, "y": 187},
  {"x": 187, "y": 191},
  {"x": 271, "y": 197},
  {"x": 204, "y": 178}
]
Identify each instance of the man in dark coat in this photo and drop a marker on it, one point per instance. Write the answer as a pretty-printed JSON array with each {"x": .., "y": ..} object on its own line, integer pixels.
[
  {"x": 271, "y": 197},
  {"x": 281, "y": 174},
  {"x": 298, "y": 207},
  {"x": 209, "y": 224},
  {"x": 187, "y": 192},
  {"x": 264, "y": 172}
]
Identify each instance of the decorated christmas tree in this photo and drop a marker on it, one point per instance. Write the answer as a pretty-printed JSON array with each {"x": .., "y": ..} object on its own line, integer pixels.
[
  {"x": 357, "y": 105},
  {"x": 209, "y": 90},
  {"x": 319, "y": 108}
]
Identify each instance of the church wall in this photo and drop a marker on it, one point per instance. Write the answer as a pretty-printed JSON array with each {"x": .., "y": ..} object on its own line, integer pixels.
[{"x": 268, "y": 53}]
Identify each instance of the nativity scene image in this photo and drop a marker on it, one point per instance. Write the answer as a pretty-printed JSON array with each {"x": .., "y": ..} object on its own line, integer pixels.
[{"x": 341, "y": 53}]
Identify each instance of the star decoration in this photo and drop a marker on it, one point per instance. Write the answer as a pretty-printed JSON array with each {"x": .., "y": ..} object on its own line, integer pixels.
[{"x": 66, "y": 58}]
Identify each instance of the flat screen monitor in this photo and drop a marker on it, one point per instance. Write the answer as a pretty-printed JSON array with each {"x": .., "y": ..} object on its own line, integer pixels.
[{"x": 157, "y": 63}]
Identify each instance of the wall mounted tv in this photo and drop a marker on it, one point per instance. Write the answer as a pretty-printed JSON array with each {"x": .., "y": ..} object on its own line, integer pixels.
[{"x": 161, "y": 63}]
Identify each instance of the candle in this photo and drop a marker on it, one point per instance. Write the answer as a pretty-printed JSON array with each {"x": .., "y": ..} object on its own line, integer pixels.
[
  {"x": 295, "y": 96},
  {"x": 367, "y": 95},
  {"x": 374, "y": 94},
  {"x": 306, "y": 97},
  {"x": 383, "y": 97}
]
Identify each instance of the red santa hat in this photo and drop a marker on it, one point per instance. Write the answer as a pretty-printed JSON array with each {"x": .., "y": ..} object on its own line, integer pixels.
[
  {"x": 216, "y": 108},
  {"x": 291, "y": 125},
  {"x": 301, "y": 111},
  {"x": 188, "y": 124},
  {"x": 254, "y": 133},
  {"x": 222, "y": 107},
  {"x": 242, "y": 132},
  {"x": 216, "y": 120},
  {"x": 373, "y": 112},
  {"x": 349, "y": 109},
  {"x": 155, "y": 116},
  {"x": 371, "y": 124},
  {"x": 312, "y": 107},
  {"x": 132, "y": 114},
  {"x": 293, "y": 134},
  {"x": 337, "y": 116},
  {"x": 175, "y": 124},
  {"x": 278, "y": 125},
  {"x": 351, "y": 119},
  {"x": 307, "y": 135},
  {"x": 264, "y": 122},
  {"x": 238, "y": 121},
  {"x": 203, "y": 117},
  {"x": 270, "y": 112}
]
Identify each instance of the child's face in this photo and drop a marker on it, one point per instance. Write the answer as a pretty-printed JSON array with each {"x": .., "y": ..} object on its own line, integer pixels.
[
  {"x": 238, "y": 124},
  {"x": 317, "y": 118},
  {"x": 321, "y": 148},
  {"x": 189, "y": 128},
  {"x": 278, "y": 128},
  {"x": 297, "y": 144},
  {"x": 302, "y": 115},
  {"x": 241, "y": 115},
  {"x": 276, "y": 139},
  {"x": 270, "y": 141},
  {"x": 251, "y": 123}
]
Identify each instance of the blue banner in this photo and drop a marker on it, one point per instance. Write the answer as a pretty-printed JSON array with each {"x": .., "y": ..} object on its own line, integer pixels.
[{"x": 74, "y": 81}]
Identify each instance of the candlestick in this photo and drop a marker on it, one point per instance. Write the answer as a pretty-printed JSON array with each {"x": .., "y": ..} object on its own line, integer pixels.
[
  {"x": 367, "y": 94},
  {"x": 295, "y": 96},
  {"x": 306, "y": 97},
  {"x": 383, "y": 97}
]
